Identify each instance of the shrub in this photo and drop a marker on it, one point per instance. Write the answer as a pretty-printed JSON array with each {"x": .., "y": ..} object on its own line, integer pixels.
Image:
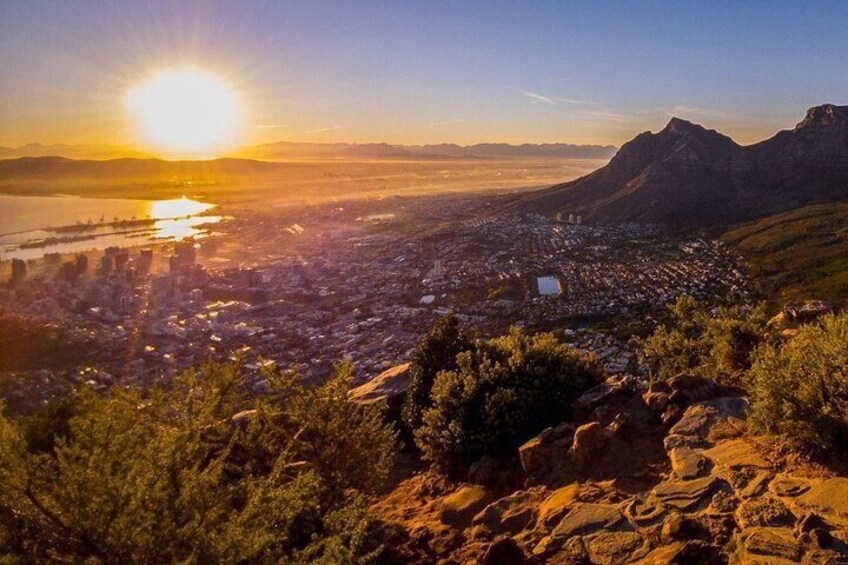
[
  {"x": 800, "y": 389},
  {"x": 435, "y": 352},
  {"x": 173, "y": 477},
  {"x": 502, "y": 393},
  {"x": 717, "y": 344}
]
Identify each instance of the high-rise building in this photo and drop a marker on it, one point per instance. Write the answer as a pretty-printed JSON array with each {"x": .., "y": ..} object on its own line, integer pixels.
[{"x": 19, "y": 270}]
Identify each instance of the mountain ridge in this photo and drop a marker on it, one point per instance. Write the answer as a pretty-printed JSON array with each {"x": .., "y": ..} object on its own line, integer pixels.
[{"x": 686, "y": 174}]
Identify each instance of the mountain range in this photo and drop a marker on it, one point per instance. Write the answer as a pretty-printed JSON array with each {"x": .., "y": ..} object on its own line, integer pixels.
[
  {"x": 687, "y": 175},
  {"x": 286, "y": 150}
]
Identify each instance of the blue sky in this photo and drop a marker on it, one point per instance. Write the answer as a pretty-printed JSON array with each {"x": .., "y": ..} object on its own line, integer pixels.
[{"x": 418, "y": 72}]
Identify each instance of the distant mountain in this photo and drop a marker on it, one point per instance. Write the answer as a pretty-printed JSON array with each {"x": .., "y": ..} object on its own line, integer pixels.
[
  {"x": 30, "y": 168},
  {"x": 98, "y": 152},
  {"x": 689, "y": 175},
  {"x": 292, "y": 150},
  {"x": 285, "y": 150}
]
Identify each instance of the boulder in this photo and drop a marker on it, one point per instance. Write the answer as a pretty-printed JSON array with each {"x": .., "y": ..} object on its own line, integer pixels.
[
  {"x": 828, "y": 498},
  {"x": 688, "y": 463},
  {"x": 588, "y": 446},
  {"x": 545, "y": 452},
  {"x": 586, "y": 518},
  {"x": 389, "y": 387},
  {"x": 686, "y": 495},
  {"x": 557, "y": 504},
  {"x": 789, "y": 487},
  {"x": 770, "y": 545},
  {"x": 736, "y": 454},
  {"x": 459, "y": 508},
  {"x": 503, "y": 552},
  {"x": 507, "y": 516},
  {"x": 601, "y": 394},
  {"x": 694, "y": 427},
  {"x": 763, "y": 512},
  {"x": 607, "y": 548},
  {"x": 689, "y": 389}
]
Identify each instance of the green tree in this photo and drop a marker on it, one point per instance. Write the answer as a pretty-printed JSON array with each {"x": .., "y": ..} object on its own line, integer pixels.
[
  {"x": 800, "y": 389},
  {"x": 435, "y": 352},
  {"x": 502, "y": 393},
  {"x": 717, "y": 344},
  {"x": 198, "y": 473}
]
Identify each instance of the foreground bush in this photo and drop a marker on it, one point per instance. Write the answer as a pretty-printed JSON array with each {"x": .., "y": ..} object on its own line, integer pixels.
[
  {"x": 717, "y": 344},
  {"x": 435, "y": 352},
  {"x": 503, "y": 392},
  {"x": 174, "y": 477},
  {"x": 800, "y": 389}
]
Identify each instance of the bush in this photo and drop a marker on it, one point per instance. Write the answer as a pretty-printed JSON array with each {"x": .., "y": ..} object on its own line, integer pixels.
[
  {"x": 435, "y": 352},
  {"x": 174, "y": 477},
  {"x": 502, "y": 393},
  {"x": 717, "y": 344},
  {"x": 800, "y": 390}
]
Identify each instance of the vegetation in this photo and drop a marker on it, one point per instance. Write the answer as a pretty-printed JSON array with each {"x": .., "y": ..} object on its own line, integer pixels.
[
  {"x": 25, "y": 345},
  {"x": 199, "y": 473},
  {"x": 435, "y": 352},
  {"x": 715, "y": 344},
  {"x": 798, "y": 254},
  {"x": 502, "y": 393},
  {"x": 800, "y": 389}
]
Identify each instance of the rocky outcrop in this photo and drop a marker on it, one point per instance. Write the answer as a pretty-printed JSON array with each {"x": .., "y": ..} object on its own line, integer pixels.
[
  {"x": 688, "y": 175},
  {"x": 389, "y": 387},
  {"x": 459, "y": 508}
]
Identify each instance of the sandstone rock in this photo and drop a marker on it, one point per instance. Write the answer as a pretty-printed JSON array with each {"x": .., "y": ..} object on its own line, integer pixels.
[
  {"x": 736, "y": 454},
  {"x": 389, "y": 386},
  {"x": 757, "y": 485},
  {"x": 645, "y": 511},
  {"x": 689, "y": 389},
  {"x": 507, "y": 516},
  {"x": 545, "y": 452},
  {"x": 601, "y": 394},
  {"x": 789, "y": 486},
  {"x": 688, "y": 463},
  {"x": 585, "y": 518},
  {"x": 503, "y": 552},
  {"x": 763, "y": 512},
  {"x": 686, "y": 495},
  {"x": 606, "y": 548},
  {"x": 689, "y": 553},
  {"x": 828, "y": 498},
  {"x": 557, "y": 504},
  {"x": 588, "y": 446},
  {"x": 694, "y": 427},
  {"x": 678, "y": 527},
  {"x": 776, "y": 545},
  {"x": 459, "y": 508}
]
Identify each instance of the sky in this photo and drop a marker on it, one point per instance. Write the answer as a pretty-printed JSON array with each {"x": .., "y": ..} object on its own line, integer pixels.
[{"x": 425, "y": 72}]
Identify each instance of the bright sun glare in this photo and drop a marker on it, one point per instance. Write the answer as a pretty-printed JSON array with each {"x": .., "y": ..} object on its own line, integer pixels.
[{"x": 184, "y": 111}]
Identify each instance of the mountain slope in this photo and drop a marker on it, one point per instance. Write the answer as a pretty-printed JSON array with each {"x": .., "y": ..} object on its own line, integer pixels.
[{"x": 688, "y": 175}]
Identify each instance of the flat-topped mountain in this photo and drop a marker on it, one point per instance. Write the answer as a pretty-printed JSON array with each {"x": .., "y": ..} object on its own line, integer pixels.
[{"x": 686, "y": 174}]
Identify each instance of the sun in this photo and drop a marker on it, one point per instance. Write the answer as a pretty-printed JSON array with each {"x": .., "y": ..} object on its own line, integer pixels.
[{"x": 184, "y": 111}]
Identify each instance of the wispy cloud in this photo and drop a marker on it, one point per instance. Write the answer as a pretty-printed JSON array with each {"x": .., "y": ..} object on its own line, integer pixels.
[
  {"x": 695, "y": 111},
  {"x": 270, "y": 126},
  {"x": 321, "y": 130},
  {"x": 535, "y": 97},
  {"x": 605, "y": 114},
  {"x": 446, "y": 122}
]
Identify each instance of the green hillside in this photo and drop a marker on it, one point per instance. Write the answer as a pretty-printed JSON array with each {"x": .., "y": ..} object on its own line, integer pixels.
[{"x": 798, "y": 254}]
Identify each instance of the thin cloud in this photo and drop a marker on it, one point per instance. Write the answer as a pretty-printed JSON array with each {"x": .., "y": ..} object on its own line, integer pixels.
[
  {"x": 446, "y": 122},
  {"x": 321, "y": 130},
  {"x": 270, "y": 126},
  {"x": 554, "y": 100}
]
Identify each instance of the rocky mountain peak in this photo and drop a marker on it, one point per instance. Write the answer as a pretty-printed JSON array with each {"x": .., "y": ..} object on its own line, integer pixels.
[{"x": 823, "y": 117}]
